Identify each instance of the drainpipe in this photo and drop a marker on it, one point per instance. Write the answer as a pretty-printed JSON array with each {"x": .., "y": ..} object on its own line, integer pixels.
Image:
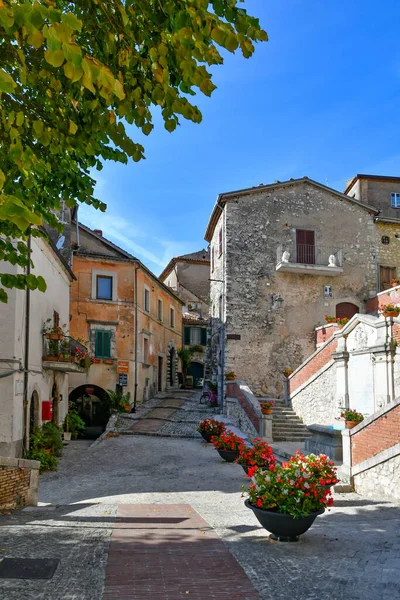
[
  {"x": 26, "y": 361},
  {"x": 136, "y": 341}
]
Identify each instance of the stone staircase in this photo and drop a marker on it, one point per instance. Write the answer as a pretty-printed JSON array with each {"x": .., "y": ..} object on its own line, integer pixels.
[{"x": 286, "y": 425}]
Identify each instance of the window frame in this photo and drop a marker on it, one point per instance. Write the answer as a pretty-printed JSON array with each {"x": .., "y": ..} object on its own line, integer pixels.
[
  {"x": 220, "y": 242},
  {"x": 192, "y": 341},
  {"x": 146, "y": 289},
  {"x": 172, "y": 317},
  {"x": 146, "y": 355},
  {"x": 109, "y": 277},
  {"x": 160, "y": 303},
  {"x": 395, "y": 200}
]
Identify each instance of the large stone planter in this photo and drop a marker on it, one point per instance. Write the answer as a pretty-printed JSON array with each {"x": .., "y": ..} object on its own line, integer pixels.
[
  {"x": 284, "y": 528},
  {"x": 228, "y": 455}
]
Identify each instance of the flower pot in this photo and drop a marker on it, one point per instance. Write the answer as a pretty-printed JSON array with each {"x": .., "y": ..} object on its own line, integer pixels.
[
  {"x": 390, "y": 313},
  {"x": 266, "y": 411},
  {"x": 55, "y": 336},
  {"x": 246, "y": 468},
  {"x": 67, "y": 436},
  {"x": 206, "y": 436},
  {"x": 50, "y": 358},
  {"x": 351, "y": 424},
  {"x": 229, "y": 455},
  {"x": 127, "y": 408},
  {"x": 284, "y": 528}
]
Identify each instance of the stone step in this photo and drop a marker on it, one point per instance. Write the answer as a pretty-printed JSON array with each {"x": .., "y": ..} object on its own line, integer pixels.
[
  {"x": 286, "y": 419},
  {"x": 290, "y": 438},
  {"x": 287, "y": 430}
]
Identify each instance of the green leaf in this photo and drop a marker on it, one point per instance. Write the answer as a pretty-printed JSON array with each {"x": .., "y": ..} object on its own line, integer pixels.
[
  {"x": 7, "y": 83},
  {"x": 72, "y": 21},
  {"x": 36, "y": 38},
  {"x": 2, "y": 179},
  {"x": 38, "y": 127},
  {"x": 3, "y": 296},
  {"x": 73, "y": 127},
  {"x": 41, "y": 284},
  {"x": 119, "y": 90},
  {"x": 73, "y": 53},
  {"x": 72, "y": 72},
  {"x": 31, "y": 282},
  {"x": 54, "y": 57}
]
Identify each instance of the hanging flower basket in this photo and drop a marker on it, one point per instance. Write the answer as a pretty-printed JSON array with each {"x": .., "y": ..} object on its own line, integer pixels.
[{"x": 389, "y": 310}]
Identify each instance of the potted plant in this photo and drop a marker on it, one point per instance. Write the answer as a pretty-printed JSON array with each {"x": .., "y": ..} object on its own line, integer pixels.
[
  {"x": 351, "y": 418},
  {"x": 321, "y": 467},
  {"x": 342, "y": 322},
  {"x": 230, "y": 376},
  {"x": 395, "y": 281},
  {"x": 228, "y": 445},
  {"x": 54, "y": 332},
  {"x": 210, "y": 427},
  {"x": 389, "y": 310},
  {"x": 73, "y": 424},
  {"x": 266, "y": 407},
  {"x": 287, "y": 499},
  {"x": 329, "y": 319},
  {"x": 287, "y": 372},
  {"x": 260, "y": 455}
]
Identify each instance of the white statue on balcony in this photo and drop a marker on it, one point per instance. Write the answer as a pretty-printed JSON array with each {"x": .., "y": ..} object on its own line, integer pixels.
[
  {"x": 285, "y": 256},
  {"x": 332, "y": 261}
]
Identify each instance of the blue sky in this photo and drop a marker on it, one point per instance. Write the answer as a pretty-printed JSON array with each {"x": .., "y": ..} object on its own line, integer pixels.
[{"x": 321, "y": 99}]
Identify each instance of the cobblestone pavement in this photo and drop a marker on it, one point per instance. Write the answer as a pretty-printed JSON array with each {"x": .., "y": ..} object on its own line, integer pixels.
[{"x": 351, "y": 552}]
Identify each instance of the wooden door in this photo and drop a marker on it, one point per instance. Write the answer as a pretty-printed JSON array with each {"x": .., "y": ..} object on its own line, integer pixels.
[
  {"x": 305, "y": 246},
  {"x": 386, "y": 274},
  {"x": 346, "y": 310}
]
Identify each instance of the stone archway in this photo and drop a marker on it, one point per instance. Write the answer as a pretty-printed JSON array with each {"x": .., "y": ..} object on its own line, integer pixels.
[
  {"x": 92, "y": 404},
  {"x": 172, "y": 366},
  {"x": 34, "y": 408}
]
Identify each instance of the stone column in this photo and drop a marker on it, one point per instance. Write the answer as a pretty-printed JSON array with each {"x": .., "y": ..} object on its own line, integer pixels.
[
  {"x": 346, "y": 466},
  {"x": 342, "y": 384},
  {"x": 266, "y": 428}
]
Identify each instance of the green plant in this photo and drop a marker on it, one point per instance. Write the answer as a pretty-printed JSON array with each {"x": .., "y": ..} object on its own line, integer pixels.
[
  {"x": 48, "y": 462},
  {"x": 287, "y": 372},
  {"x": 228, "y": 441},
  {"x": 389, "y": 308},
  {"x": 185, "y": 356},
  {"x": 52, "y": 437},
  {"x": 196, "y": 348},
  {"x": 342, "y": 321},
  {"x": 211, "y": 426},
  {"x": 118, "y": 400},
  {"x": 230, "y": 375},
  {"x": 290, "y": 489},
  {"x": 330, "y": 319},
  {"x": 267, "y": 405},
  {"x": 352, "y": 415},
  {"x": 73, "y": 423}
]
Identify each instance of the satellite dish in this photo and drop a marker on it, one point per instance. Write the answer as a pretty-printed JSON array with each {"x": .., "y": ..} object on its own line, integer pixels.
[{"x": 60, "y": 242}]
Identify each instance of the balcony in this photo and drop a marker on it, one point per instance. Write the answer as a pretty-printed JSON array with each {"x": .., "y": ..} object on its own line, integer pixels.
[
  {"x": 308, "y": 259},
  {"x": 66, "y": 354}
]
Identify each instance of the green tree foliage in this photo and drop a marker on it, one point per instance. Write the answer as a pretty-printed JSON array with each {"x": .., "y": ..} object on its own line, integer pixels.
[{"x": 74, "y": 74}]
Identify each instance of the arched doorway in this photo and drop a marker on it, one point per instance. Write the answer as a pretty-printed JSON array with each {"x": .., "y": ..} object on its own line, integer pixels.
[
  {"x": 92, "y": 405},
  {"x": 172, "y": 367},
  {"x": 33, "y": 411},
  {"x": 346, "y": 310},
  {"x": 55, "y": 401},
  {"x": 196, "y": 370}
]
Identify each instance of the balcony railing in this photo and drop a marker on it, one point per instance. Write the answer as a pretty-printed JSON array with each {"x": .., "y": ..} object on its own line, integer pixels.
[
  {"x": 65, "y": 350},
  {"x": 307, "y": 258}
]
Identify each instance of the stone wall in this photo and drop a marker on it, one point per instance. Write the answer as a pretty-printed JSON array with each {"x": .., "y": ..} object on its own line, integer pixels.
[
  {"x": 270, "y": 316},
  {"x": 310, "y": 367},
  {"x": 248, "y": 402},
  {"x": 315, "y": 401},
  {"x": 382, "y": 480},
  {"x": 240, "y": 419},
  {"x": 19, "y": 481}
]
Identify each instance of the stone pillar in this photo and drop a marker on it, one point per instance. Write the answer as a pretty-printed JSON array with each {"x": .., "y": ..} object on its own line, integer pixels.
[
  {"x": 342, "y": 384},
  {"x": 266, "y": 428},
  {"x": 345, "y": 470}
]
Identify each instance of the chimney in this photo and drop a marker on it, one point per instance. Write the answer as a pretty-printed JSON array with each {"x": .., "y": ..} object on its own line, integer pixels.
[{"x": 98, "y": 232}]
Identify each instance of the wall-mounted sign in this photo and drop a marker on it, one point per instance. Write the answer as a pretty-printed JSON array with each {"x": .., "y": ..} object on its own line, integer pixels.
[
  {"x": 123, "y": 366},
  {"x": 123, "y": 379},
  {"x": 233, "y": 336}
]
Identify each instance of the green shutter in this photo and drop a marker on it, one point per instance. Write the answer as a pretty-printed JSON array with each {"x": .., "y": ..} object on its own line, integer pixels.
[
  {"x": 103, "y": 344},
  {"x": 187, "y": 336},
  {"x": 106, "y": 344},
  {"x": 203, "y": 336}
]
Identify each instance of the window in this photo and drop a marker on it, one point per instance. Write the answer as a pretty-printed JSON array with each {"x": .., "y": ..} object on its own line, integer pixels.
[
  {"x": 195, "y": 336},
  {"x": 395, "y": 200},
  {"x": 160, "y": 310},
  {"x": 386, "y": 274},
  {"x": 172, "y": 317},
  {"x": 56, "y": 319},
  {"x": 212, "y": 258},
  {"x": 104, "y": 287},
  {"x": 220, "y": 241},
  {"x": 220, "y": 307},
  {"x": 147, "y": 299},
  {"x": 145, "y": 350},
  {"x": 102, "y": 344}
]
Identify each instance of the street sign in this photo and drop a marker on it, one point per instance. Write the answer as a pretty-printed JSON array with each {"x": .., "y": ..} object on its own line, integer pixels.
[
  {"x": 123, "y": 379},
  {"x": 123, "y": 366}
]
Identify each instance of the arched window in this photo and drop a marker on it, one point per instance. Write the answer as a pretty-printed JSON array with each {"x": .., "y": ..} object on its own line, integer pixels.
[{"x": 346, "y": 309}]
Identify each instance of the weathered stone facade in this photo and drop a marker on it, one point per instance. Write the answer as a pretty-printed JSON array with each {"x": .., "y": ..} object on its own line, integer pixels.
[
  {"x": 263, "y": 320},
  {"x": 315, "y": 401},
  {"x": 382, "y": 481}
]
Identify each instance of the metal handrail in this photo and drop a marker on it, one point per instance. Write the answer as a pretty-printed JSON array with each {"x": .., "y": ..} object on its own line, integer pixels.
[
  {"x": 66, "y": 348},
  {"x": 308, "y": 254}
]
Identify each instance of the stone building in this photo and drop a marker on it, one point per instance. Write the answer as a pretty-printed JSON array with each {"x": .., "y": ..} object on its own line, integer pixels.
[
  {"x": 283, "y": 256},
  {"x": 33, "y": 369},
  {"x": 189, "y": 277},
  {"x": 383, "y": 193},
  {"x": 129, "y": 319}
]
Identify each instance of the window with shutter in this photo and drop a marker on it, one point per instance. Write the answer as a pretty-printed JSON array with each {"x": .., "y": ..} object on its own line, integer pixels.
[
  {"x": 187, "y": 336},
  {"x": 102, "y": 344},
  {"x": 386, "y": 274},
  {"x": 204, "y": 337},
  {"x": 305, "y": 246}
]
